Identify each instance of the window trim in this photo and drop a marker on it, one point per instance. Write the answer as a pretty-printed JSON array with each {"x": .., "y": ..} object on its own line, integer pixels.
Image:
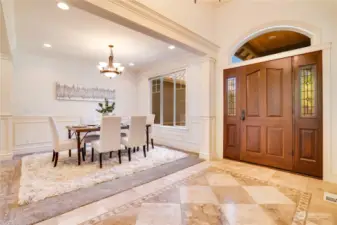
[{"x": 161, "y": 77}]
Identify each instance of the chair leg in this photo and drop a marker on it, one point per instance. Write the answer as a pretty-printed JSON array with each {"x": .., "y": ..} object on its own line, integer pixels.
[
  {"x": 129, "y": 153},
  {"x": 110, "y": 155},
  {"x": 53, "y": 156},
  {"x": 79, "y": 156},
  {"x": 83, "y": 154},
  {"x": 69, "y": 153},
  {"x": 138, "y": 149},
  {"x": 92, "y": 154},
  {"x": 144, "y": 150},
  {"x": 56, "y": 158},
  {"x": 100, "y": 160},
  {"x": 152, "y": 143},
  {"x": 119, "y": 156},
  {"x": 134, "y": 149}
]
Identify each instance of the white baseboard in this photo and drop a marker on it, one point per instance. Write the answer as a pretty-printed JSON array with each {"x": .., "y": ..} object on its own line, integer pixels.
[{"x": 6, "y": 156}]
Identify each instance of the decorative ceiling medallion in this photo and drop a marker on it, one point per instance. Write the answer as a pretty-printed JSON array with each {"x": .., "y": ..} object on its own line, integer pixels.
[{"x": 111, "y": 69}]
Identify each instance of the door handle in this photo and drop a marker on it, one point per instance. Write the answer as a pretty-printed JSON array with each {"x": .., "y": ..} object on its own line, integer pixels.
[{"x": 243, "y": 115}]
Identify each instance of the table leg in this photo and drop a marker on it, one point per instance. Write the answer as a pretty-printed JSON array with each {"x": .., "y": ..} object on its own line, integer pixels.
[
  {"x": 78, "y": 137},
  {"x": 69, "y": 137},
  {"x": 147, "y": 138}
]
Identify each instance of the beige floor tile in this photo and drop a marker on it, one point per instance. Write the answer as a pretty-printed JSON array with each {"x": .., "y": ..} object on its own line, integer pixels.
[
  {"x": 170, "y": 196},
  {"x": 221, "y": 179},
  {"x": 159, "y": 214},
  {"x": 267, "y": 195},
  {"x": 119, "y": 199},
  {"x": 281, "y": 214},
  {"x": 193, "y": 214},
  {"x": 127, "y": 218},
  {"x": 290, "y": 180},
  {"x": 318, "y": 187},
  {"x": 236, "y": 195},
  {"x": 197, "y": 195},
  {"x": 81, "y": 214},
  {"x": 242, "y": 214}
]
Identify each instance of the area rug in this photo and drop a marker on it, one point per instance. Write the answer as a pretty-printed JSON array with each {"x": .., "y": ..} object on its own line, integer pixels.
[{"x": 40, "y": 180}]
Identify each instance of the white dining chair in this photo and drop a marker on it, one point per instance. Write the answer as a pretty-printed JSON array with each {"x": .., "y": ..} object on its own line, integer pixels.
[
  {"x": 150, "y": 121},
  {"x": 110, "y": 139},
  {"x": 136, "y": 135},
  {"x": 88, "y": 137},
  {"x": 58, "y": 144}
]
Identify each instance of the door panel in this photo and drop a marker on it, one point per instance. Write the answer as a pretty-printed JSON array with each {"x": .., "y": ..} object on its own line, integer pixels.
[
  {"x": 267, "y": 128},
  {"x": 308, "y": 114}
]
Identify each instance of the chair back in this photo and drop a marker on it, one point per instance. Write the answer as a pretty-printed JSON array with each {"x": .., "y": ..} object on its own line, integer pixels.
[
  {"x": 110, "y": 138},
  {"x": 137, "y": 131},
  {"x": 150, "y": 121},
  {"x": 54, "y": 132}
]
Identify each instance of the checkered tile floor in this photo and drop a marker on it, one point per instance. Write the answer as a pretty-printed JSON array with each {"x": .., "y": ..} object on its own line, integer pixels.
[{"x": 214, "y": 197}]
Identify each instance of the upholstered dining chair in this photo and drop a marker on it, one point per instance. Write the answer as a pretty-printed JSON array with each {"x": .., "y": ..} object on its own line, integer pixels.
[
  {"x": 58, "y": 144},
  {"x": 136, "y": 135},
  {"x": 110, "y": 139},
  {"x": 90, "y": 137},
  {"x": 150, "y": 121}
]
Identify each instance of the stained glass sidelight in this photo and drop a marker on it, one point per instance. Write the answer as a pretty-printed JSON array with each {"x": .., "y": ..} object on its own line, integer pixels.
[
  {"x": 308, "y": 90},
  {"x": 231, "y": 96}
]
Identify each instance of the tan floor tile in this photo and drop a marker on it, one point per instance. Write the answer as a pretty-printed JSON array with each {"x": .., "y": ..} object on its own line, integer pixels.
[
  {"x": 236, "y": 195},
  {"x": 119, "y": 199},
  {"x": 322, "y": 208},
  {"x": 159, "y": 214},
  {"x": 245, "y": 214},
  {"x": 198, "y": 181},
  {"x": 267, "y": 195},
  {"x": 221, "y": 179},
  {"x": 127, "y": 218},
  {"x": 281, "y": 214},
  {"x": 195, "y": 214},
  {"x": 290, "y": 180},
  {"x": 169, "y": 196},
  {"x": 197, "y": 195},
  {"x": 318, "y": 187}
]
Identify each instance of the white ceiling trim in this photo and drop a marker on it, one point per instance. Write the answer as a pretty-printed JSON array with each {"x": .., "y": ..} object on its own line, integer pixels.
[{"x": 143, "y": 17}]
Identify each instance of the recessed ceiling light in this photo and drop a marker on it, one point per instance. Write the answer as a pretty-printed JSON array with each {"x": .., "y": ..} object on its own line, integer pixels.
[
  {"x": 272, "y": 37},
  {"x": 63, "y": 5},
  {"x": 47, "y": 45},
  {"x": 171, "y": 47},
  {"x": 131, "y": 64}
]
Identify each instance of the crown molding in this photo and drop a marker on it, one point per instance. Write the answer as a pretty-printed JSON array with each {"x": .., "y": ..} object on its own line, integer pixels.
[{"x": 138, "y": 16}]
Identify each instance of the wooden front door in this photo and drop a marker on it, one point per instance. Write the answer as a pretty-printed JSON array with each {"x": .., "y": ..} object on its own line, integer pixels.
[
  {"x": 271, "y": 114},
  {"x": 266, "y": 108}
]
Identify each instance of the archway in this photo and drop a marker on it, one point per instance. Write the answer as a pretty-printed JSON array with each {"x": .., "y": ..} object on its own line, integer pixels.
[{"x": 269, "y": 43}]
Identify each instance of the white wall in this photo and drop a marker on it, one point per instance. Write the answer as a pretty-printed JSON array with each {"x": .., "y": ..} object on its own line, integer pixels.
[
  {"x": 34, "y": 97},
  {"x": 183, "y": 138},
  {"x": 318, "y": 17},
  {"x": 199, "y": 17}
]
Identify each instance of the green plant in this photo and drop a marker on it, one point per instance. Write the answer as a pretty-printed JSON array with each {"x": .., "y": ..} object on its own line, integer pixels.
[{"x": 106, "y": 108}]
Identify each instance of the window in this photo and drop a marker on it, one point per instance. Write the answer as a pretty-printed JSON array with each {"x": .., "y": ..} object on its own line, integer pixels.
[
  {"x": 231, "y": 96},
  {"x": 308, "y": 90},
  {"x": 168, "y": 99}
]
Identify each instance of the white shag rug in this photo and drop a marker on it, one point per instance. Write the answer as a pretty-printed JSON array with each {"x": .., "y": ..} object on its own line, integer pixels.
[{"x": 39, "y": 179}]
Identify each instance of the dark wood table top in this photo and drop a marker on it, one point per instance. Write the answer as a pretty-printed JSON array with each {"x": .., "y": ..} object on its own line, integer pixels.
[{"x": 93, "y": 128}]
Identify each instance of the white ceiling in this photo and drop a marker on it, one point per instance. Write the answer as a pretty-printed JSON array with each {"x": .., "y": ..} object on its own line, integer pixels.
[{"x": 82, "y": 35}]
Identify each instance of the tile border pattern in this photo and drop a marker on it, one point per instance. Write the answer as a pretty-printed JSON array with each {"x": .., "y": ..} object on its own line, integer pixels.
[{"x": 299, "y": 218}]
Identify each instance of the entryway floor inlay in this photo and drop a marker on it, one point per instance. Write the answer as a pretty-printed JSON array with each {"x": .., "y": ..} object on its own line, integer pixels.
[{"x": 213, "y": 196}]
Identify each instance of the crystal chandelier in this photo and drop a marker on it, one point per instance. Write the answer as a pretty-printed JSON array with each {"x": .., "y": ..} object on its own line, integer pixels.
[{"x": 111, "y": 69}]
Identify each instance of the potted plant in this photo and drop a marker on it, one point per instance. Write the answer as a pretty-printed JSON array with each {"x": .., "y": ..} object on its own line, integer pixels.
[{"x": 105, "y": 108}]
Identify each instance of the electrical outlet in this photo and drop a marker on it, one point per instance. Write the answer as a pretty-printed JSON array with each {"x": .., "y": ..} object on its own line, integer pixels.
[{"x": 329, "y": 197}]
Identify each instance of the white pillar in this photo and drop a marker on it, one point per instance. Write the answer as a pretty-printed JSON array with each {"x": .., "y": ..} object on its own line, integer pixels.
[
  {"x": 6, "y": 71},
  {"x": 207, "y": 116}
]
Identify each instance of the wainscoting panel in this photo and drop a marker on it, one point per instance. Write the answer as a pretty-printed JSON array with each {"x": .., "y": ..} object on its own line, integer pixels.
[
  {"x": 185, "y": 138},
  {"x": 32, "y": 133}
]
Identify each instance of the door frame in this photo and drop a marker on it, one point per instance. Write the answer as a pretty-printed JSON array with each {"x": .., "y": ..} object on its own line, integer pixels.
[{"x": 326, "y": 102}]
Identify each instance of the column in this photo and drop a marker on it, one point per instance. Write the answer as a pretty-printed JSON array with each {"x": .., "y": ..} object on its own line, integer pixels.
[{"x": 207, "y": 116}]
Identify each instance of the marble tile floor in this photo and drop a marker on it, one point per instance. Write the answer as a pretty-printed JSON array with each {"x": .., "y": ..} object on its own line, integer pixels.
[
  {"x": 220, "y": 192},
  {"x": 11, "y": 213}
]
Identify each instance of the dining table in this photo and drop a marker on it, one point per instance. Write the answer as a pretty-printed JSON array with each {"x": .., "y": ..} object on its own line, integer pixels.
[{"x": 77, "y": 130}]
